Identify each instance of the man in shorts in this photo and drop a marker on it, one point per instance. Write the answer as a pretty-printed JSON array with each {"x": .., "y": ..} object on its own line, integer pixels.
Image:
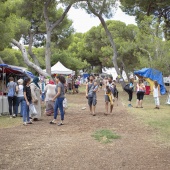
[
  {"x": 91, "y": 89},
  {"x": 107, "y": 100}
]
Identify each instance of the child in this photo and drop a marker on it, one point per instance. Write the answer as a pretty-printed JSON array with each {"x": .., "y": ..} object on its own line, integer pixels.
[
  {"x": 110, "y": 94},
  {"x": 156, "y": 94},
  {"x": 27, "y": 101},
  {"x": 76, "y": 86}
]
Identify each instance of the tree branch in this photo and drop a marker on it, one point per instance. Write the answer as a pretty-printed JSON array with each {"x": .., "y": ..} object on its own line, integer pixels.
[
  {"x": 1, "y": 61},
  {"x": 105, "y": 27},
  {"x": 45, "y": 11},
  {"x": 30, "y": 49},
  {"x": 101, "y": 11},
  {"x": 109, "y": 35},
  {"x": 61, "y": 18},
  {"x": 26, "y": 59}
]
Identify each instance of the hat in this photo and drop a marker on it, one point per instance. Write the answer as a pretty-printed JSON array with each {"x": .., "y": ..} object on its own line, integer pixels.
[
  {"x": 20, "y": 81},
  {"x": 131, "y": 77}
]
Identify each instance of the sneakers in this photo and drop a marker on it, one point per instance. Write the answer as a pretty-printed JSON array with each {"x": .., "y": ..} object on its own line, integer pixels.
[
  {"x": 14, "y": 115},
  {"x": 29, "y": 122},
  {"x": 129, "y": 105},
  {"x": 25, "y": 123}
]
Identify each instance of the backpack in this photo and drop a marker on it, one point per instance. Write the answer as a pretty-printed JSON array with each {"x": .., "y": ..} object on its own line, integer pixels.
[
  {"x": 114, "y": 91},
  {"x": 11, "y": 89}
]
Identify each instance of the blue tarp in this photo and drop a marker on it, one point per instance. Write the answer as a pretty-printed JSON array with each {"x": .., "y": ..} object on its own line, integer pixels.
[
  {"x": 13, "y": 69},
  {"x": 154, "y": 75}
]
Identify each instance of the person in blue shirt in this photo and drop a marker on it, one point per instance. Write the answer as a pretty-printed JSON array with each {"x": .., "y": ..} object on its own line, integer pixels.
[{"x": 130, "y": 93}]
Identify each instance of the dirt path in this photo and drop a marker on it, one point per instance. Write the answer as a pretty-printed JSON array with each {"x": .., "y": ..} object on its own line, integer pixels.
[{"x": 71, "y": 147}]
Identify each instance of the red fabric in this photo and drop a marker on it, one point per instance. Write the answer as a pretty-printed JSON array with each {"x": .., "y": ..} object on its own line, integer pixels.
[
  {"x": 51, "y": 82},
  {"x": 147, "y": 90}
]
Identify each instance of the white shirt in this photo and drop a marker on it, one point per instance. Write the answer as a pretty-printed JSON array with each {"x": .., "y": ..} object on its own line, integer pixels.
[
  {"x": 20, "y": 91},
  {"x": 50, "y": 92},
  {"x": 155, "y": 92}
]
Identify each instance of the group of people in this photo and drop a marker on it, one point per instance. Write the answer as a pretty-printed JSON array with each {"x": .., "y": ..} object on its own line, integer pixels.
[
  {"x": 72, "y": 84},
  {"x": 140, "y": 92},
  {"x": 27, "y": 93},
  {"x": 110, "y": 89},
  {"x": 111, "y": 93},
  {"x": 23, "y": 92}
]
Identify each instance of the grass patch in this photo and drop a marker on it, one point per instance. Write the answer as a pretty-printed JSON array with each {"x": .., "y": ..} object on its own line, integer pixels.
[
  {"x": 7, "y": 122},
  {"x": 105, "y": 136},
  {"x": 82, "y": 88},
  {"x": 158, "y": 119}
]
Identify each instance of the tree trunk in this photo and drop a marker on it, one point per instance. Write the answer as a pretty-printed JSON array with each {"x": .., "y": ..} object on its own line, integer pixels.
[
  {"x": 109, "y": 35},
  {"x": 30, "y": 49},
  {"x": 114, "y": 51},
  {"x": 1, "y": 61},
  {"x": 48, "y": 53},
  {"x": 26, "y": 60},
  {"x": 157, "y": 26},
  {"x": 125, "y": 70}
]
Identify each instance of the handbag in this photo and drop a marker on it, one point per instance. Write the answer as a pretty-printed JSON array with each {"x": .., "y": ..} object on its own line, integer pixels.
[
  {"x": 127, "y": 88},
  {"x": 33, "y": 111}
]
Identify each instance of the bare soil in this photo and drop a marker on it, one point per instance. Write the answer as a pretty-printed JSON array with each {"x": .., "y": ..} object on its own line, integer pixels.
[{"x": 42, "y": 146}]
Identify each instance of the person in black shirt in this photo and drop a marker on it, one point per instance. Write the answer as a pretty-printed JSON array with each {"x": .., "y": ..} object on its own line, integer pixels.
[{"x": 27, "y": 101}]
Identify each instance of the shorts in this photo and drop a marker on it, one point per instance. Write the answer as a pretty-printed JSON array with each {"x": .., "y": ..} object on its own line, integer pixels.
[
  {"x": 92, "y": 101},
  {"x": 140, "y": 95},
  {"x": 107, "y": 98}
]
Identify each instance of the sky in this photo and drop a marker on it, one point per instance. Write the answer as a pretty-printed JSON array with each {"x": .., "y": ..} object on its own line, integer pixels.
[{"x": 82, "y": 22}]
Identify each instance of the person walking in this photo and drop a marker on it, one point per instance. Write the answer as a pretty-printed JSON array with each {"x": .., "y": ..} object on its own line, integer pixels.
[
  {"x": 140, "y": 93},
  {"x": 20, "y": 96},
  {"x": 27, "y": 101},
  {"x": 107, "y": 99},
  {"x": 50, "y": 94},
  {"x": 156, "y": 94},
  {"x": 59, "y": 98},
  {"x": 12, "y": 99},
  {"x": 36, "y": 99},
  {"x": 130, "y": 92},
  {"x": 91, "y": 89}
]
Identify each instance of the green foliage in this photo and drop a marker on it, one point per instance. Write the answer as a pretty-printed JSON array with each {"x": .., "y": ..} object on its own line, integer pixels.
[
  {"x": 94, "y": 46},
  {"x": 105, "y": 136}
]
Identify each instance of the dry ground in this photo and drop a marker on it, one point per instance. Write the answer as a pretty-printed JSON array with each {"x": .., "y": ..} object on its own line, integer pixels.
[{"x": 71, "y": 147}]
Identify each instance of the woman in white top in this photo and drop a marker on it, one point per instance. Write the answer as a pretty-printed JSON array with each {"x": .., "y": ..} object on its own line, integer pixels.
[
  {"x": 20, "y": 96},
  {"x": 50, "y": 94},
  {"x": 156, "y": 94}
]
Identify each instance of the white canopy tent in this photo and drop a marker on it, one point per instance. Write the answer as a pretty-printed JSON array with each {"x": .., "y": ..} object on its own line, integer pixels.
[{"x": 58, "y": 68}]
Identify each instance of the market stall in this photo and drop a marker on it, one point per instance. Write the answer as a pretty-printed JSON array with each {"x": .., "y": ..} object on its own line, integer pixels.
[{"x": 7, "y": 71}]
